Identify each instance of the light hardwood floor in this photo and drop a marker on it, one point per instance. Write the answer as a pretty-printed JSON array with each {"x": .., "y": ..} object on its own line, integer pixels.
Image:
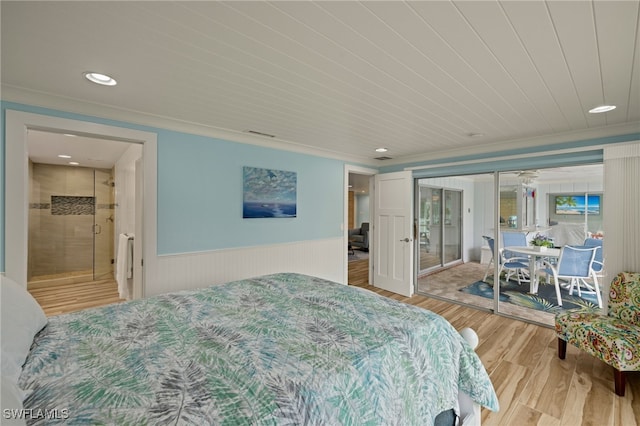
[
  {"x": 534, "y": 386},
  {"x": 64, "y": 298}
]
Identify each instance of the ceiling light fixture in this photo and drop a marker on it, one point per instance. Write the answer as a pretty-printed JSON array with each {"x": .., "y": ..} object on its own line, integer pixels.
[
  {"x": 475, "y": 135},
  {"x": 381, "y": 150},
  {"x": 602, "y": 108},
  {"x": 63, "y": 156},
  {"x": 74, "y": 163},
  {"x": 102, "y": 79}
]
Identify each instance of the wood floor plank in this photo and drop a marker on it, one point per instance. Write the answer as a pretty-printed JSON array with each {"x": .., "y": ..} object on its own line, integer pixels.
[
  {"x": 508, "y": 380},
  {"x": 524, "y": 415},
  {"x": 548, "y": 387},
  {"x": 70, "y": 297},
  {"x": 529, "y": 346}
]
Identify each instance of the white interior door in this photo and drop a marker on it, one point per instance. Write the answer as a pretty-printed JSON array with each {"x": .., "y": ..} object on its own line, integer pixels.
[{"x": 393, "y": 232}]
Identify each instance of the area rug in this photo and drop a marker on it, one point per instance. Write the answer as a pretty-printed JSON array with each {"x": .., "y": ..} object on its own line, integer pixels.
[
  {"x": 545, "y": 300},
  {"x": 357, "y": 255}
]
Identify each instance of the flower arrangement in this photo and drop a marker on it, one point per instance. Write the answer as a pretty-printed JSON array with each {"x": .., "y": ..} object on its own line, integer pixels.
[{"x": 541, "y": 241}]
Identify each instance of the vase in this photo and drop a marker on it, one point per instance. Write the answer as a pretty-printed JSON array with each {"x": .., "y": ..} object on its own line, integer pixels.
[{"x": 540, "y": 248}]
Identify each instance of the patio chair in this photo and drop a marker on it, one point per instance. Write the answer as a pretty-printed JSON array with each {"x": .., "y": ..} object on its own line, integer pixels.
[
  {"x": 513, "y": 239},
  {"x": 574, "y": 264},
  {"x": 597, "y": 272},
  {"x": 598, "y": 260},
  {"x": 615, "y": 337},
  {"x": 512, "y": 265}
]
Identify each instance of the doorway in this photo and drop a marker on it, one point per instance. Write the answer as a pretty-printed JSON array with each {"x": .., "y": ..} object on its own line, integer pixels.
[
  {"x": 358, "y": 224},
  {"x": 357, "y": 208},
  {"x": 18, "y": 126},
  {"x": 71, "y": 217}
]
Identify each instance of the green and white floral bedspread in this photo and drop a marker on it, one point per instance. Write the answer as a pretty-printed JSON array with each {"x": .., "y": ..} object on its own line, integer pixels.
[{"x": 278, "y": 349}]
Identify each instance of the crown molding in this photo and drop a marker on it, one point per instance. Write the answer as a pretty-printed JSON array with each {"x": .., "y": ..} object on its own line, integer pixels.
[
  {"x": 72, "y": 105},
  {"x": 76, "y": 106},
  {"x": 526, "y": 143}
]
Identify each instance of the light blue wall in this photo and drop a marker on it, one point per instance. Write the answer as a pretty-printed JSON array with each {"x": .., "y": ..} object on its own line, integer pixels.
[
  {"x": 200, "y": 195},
  {"x": 200, "y": 191}
]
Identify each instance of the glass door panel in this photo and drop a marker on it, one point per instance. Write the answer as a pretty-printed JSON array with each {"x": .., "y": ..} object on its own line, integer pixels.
[
  {"x": 429, "y": 228},
  {"x": 103, "y": 239},
  {"x": 439, "y": 227},
  {"x": 452, "y": 226},
  {"x": 453, "y": 211}
]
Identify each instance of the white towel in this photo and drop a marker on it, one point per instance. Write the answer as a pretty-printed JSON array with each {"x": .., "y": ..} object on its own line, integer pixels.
[{"x": 121, "y": 266}]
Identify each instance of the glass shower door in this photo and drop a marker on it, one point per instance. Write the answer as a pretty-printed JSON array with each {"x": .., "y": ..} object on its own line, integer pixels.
[{"x": 103, "y": 238}]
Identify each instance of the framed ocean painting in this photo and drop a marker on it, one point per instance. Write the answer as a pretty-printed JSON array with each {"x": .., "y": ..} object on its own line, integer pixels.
[
  {"x": 268, "y": 193},
  {"x": 577, "y": 204}
]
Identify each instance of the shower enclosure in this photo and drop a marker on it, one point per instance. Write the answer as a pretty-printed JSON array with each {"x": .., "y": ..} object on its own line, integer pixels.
[{"x": 71, "y": 215}]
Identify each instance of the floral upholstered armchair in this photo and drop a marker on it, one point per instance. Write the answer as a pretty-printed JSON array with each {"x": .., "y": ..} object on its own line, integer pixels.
[{"x": 614, "y": 338}]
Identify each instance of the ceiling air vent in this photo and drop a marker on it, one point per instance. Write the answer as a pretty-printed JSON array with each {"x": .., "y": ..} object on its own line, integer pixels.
[
  {"x": 382, "y": 158},
  {"x": 259, "y": 133}
]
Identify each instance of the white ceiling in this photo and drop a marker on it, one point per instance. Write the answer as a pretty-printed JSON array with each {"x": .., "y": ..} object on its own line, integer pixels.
[
  {"x": 342, "y": 77},
  {"x": 44, "y": 147}
]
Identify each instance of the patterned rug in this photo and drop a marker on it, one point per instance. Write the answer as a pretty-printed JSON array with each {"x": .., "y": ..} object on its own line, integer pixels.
[{"x": 545, "y": 300}]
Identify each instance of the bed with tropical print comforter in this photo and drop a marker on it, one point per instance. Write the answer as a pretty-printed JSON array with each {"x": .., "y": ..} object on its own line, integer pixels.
[{"x": 278, "y": 349}]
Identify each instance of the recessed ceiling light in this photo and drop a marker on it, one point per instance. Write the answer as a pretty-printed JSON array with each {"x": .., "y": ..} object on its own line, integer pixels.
[
  {"x": 103, "y": 79},
  {"x": 602, "y": 108},
  {"x": 70, "y": 135},
  {"x": 74, "y": 163},
  {"x": 381, "y": 150},
  {"x": 64, "y": 156}
]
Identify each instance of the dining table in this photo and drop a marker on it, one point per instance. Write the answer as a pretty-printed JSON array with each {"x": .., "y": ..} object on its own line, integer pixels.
[{"x": 534, "y": 253}]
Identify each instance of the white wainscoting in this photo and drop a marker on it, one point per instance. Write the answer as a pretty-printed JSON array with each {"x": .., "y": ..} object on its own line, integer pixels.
[{"x": 321, "y": 258}]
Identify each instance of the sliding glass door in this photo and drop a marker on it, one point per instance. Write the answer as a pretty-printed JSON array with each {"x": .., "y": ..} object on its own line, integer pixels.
[
  {"x": 439, "y": 227},
  {"x": 461, "y": 218}
]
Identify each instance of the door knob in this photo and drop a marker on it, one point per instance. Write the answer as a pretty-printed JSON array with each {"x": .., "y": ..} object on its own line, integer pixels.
[{"x": 406, "y": 240}]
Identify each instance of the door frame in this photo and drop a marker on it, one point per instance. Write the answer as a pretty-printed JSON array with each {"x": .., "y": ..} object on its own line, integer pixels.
[
  {"x": 17, "y": 193},
  {"x": 350, "y": 168}
]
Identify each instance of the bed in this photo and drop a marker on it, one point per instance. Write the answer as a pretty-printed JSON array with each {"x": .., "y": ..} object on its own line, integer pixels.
[{"x": 278, "y": 349}]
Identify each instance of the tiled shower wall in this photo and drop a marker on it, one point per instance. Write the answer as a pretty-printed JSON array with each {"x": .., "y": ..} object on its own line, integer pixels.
[{"x": 62, "y": 230}]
